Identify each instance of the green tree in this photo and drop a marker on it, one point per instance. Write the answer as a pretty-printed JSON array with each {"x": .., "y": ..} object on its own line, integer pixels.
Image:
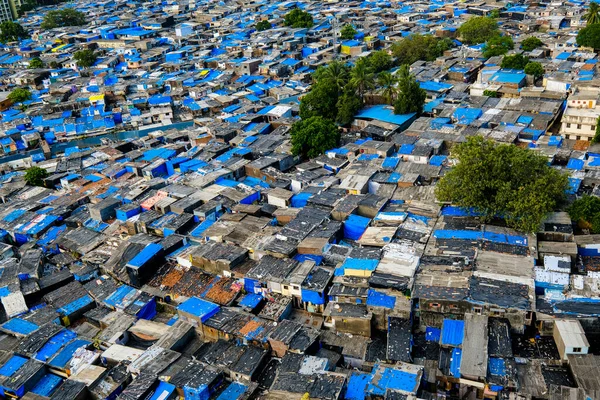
[
  {"x": 263, "y": 25},
  {"x": 387, "y": 86},
  {"x": 19, "y": 95},
  {"x": 298, "y": 19},
  {"x": 592, "y": 16},
  {"x": 313, "y": 136},
  {"x": 534, "y": 68},
  {"x": 515, "y": 61},
  {"x": 35, "y": 176},
  {"x": 531, "y": 43},
  {"x": 347, "y": 106},
  {"x": 348, "y": 32},
  {"x": 419, "y": 47},
  {"x": 503, "y": 180},
  {"x": 12, "y": 32},
  {"x": 494, "y": 14},
  {"x": 585, "y": 211},
  {"x": 490, "y": 93},
  {"x": 320, "y": 101},
  {"x": 380, "y": 61},
  {"x": 62, "y": 18},
  {"x": 497, "y": 46},
  {"x": 335, "y": 73},
  {"x": 589, "y": 36},
  {"x": 54, "y": 64},
  {"x": 411, "y": 97},
  {"x": 362, "y": 77},
  {"x": 478, "y": 30},
  {"x": 596, "y": 138},
  {"x": 36, "y": 62},
  {"x": 85, "y": 58}
]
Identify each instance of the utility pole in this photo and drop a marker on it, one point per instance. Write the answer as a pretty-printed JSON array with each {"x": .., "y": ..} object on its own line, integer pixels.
[{"x": 334, "y": 28}]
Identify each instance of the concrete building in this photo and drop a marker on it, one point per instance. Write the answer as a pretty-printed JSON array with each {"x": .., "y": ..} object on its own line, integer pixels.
[
  {"x": 581, "y": 115},
  {"x": 570, "y": 338}
]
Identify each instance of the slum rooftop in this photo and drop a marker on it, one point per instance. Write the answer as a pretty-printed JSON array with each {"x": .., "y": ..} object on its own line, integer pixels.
[{"x": 179, "y": 249}]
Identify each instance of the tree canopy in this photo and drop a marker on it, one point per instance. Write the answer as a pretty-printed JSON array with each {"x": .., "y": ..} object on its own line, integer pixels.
[
  {"x": 12, "y": 32},
  {"x": 85, "y": 58},
  {"x": 497, "y": 46},
  {"x": 420, "y": 47},
  {"x": 298, "y": 19},
  {"x": 531, "y": 43},
  {"x": 503, "y": 180},
  {"x": 62, "y": 18},
  {"x": 478, "y": 30},
  {"x": 410, "y": 97},
  {"x": 263, "y": 25},
  {"x": 589, "y": 36},
  {"x": 348, "y": 32},
  {"x": 515, "y": 61},
  {"x": 592, "y": 16},
  {"x": 36, "y": 62},
  {"x": 312, "y": 136},
  {"x": 380, "y": 61},
  {"x": 35, "y": 176},
  {"x": 19, "y": 95},
  {"x": 534, "y": 68},
  {"x": 586, "y": 213}
]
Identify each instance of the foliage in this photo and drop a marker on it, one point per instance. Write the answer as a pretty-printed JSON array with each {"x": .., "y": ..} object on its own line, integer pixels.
[
  {"x": 596, "y": 138},
  {"x": 490, "y": 93},
  {"x": 420, "y": 47},
  {"x": 263, "y": 25},
  {"x": 411, "y": 97},
  {"x": 36, "y": 62},
  {"x": 327, "y": 87},
  {"x": 335, "y": 73},
  {"x": 387, "y": 83},
  {"x": 515, "y": 61},
  {"x": 494, "y": 14},
  {"x": 589, "y": 36},
  {"x": 12, "y": 32},
  {"x": 35, "y": 176},
  {"x": 592, "y": 16},
  {"x": 531, "y": 43},
  {"x": 534, "y": 68},
  {"x": 85, "y": 58},
  {"x": 478, "y": 30},
  {"x": 497, "y": 46},
  {"x": 62, "y": 18},
  {"x": 19, "y": 95},
  {"x": 312, "y": 136},
  {"x": 362, "y": 77},
  {"x": 503, "y": 180},
  {"x": 347, "y": 106},
  {"x": 380, "y": 61},
  {"x": 298, "y": 19},
  {"x": 586, "y": 212},
  {"x": 54, "y": 64},
  {"x": 348, "y": 32}
]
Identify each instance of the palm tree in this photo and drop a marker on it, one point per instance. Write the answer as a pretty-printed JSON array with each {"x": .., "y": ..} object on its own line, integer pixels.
[
  {"x": 337, "y": 73},
  {"x": 387, "y": 81},
  {"x": 361, "y": 77},
  {"x": 592, "y": 16}
]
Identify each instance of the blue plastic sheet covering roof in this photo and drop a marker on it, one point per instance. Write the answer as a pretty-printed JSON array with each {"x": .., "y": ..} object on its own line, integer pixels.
[
  {"x": 50, "y": 236},
  {"x": 574, "y": 184},
  {"x": 14, "y": 215},
  {"x": 198, "y": 307},
  {"x": 455, "y": 360},
  {"x": 497, "y": 366},
  {"x": 76, "y": 305},
  {"x": 467, "y": 115},
  {"x": 65, "y": 355},
  {"x": 96, "y": 226},
  {"x": 555, "y": 141},
  {"x": 406, "y": 149},
  {"x": 122, "y": 297},
  {"x": 47, "y": 385},
  {"x": 12, "y": 365},
  {"x": 386, "y": 114},
  {"x": 20, "y": 326},
  {"x": 368, "y": 157},
  {"x": 478, "y": 235},
  {"x": 433, "y": 86},
  {"x": 233, "y": 392},
  {"x": 309, "y": 257},
  {"x": 355, "y": 226},
  {"x": 594, "y": 162},
  {"x": 390, "y": 162},
  {"x": 55, "y": 343},
  {"x": 357, "y": 386},
  {"x": 357, "y": 264},
  {"x": 563, "y": 56},
  {"x": 508, "y": 77},
  {"x": 576, "y": 164},
  {"x": 203, "y": 226},
  {"x": 163, "y": 391},
  {"x": 393, "y": 379},
  {"x": 378, "y": 299},
  {"x": 433, "y": 334},
  {"x": 452, "y": 332},
  {"x": 151, "y": 250},
  {"x": 438, "y": 160},
  {"x": 250, "y": 300}
]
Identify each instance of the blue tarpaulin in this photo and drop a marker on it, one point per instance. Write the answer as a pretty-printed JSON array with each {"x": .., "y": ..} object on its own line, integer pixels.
[
  {"x": 355, "y": 226},
  {"x": 452, "y": 332},
  {"x": 199, "y": 308}
]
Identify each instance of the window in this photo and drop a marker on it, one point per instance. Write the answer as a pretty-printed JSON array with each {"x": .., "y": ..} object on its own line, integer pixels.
[
  {"x": 477, "y": 310},
  {"x": 576, "y": 349},
  {"x": 568, "y": 125},
  {"x": 434, "y": 305},
  {"x": 285, "y": 287},
  {"x": 593, "y": 127},
  {"x": 577, "y": 137},
  {"x": 578, "y": 126}
]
